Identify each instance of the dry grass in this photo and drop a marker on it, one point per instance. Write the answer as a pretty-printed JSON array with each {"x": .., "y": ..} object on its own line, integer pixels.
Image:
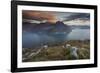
[{"x": 60, "y": 53}]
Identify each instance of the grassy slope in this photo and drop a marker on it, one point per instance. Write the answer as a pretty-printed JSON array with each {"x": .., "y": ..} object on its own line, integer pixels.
[{"x": 59, "y": 53}]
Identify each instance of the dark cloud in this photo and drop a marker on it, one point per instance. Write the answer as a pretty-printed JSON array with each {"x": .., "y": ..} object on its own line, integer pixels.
[{"x": 80, "y": 16}]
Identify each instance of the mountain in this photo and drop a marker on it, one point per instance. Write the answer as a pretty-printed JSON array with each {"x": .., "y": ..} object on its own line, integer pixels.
[
  {"x": 60, "y": 26},
  {"x": 46, "y": 27},
  {"x": 80, "y": 26}
]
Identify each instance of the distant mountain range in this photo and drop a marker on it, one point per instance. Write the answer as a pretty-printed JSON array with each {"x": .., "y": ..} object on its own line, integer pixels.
[
  {"x": 46, "y": 27},
  {"x": 80, "y": 26}
]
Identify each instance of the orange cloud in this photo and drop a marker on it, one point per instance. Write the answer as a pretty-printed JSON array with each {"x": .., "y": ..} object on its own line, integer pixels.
[{"x": 40, "y": 15}]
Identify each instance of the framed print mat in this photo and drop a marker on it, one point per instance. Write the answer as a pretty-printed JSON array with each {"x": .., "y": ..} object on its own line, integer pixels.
[{"x": 50, "y": 36}]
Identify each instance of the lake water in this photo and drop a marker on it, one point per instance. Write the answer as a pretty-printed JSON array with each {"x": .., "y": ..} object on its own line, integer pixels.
[
  {"x": 79, "y": 34},
  {"x": 31, "y": 40}
]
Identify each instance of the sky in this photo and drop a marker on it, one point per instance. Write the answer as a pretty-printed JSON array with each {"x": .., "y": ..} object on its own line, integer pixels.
[{"x": 68, "y": 18}]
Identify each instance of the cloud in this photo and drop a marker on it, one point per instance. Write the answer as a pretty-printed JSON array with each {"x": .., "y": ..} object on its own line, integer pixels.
[
  {"x": 39, "y": 15},
  {"x": 77, "y": 22},
  {"x": 79, "y": 16},
  {"x": 77, "y": 19},
  {"x": 50, "y": 16}
]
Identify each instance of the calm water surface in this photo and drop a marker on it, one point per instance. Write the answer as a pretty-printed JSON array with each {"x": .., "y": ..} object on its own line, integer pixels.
[{"x": 31, "y": 40}]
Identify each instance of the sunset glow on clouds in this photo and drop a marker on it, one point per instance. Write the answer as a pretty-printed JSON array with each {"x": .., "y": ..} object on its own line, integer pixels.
[
  {"x": 68, "y": 18},
  {"x": 40, "y": 16}
]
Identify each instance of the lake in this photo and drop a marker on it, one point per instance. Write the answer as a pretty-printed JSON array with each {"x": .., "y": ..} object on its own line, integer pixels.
[{"x": 32, "y": 40}]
